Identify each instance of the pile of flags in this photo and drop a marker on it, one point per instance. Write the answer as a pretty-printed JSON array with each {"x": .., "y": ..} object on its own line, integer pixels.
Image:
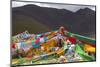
[{"x": 67, "y": 47}]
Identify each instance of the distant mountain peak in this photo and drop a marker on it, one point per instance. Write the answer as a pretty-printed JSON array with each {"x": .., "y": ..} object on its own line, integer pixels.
[{"x": 85, "y": 11}]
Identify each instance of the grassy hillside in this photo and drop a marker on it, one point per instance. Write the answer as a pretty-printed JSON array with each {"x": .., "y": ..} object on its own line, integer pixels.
[{"x": 22, "y": 23}]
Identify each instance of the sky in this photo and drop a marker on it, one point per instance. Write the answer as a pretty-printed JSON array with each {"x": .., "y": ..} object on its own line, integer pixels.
[{"x": 73, "y": 8}]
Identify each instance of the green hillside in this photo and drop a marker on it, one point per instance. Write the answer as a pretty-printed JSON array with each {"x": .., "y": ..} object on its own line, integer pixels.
[{"x": 21, "y": 23}]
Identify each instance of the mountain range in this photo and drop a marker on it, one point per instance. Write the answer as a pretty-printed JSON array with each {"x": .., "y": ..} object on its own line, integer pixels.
[{"x": 38, "y": 19}]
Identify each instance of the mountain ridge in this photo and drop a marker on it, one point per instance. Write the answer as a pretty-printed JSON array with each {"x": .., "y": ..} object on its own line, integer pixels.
[{"x": 82, "y": 21}]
